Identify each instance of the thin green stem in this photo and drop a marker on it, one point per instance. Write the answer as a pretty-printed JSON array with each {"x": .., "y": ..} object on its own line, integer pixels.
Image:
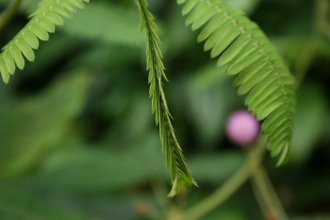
[
  {"x": 9, "y": 13},
  {"x": 159, "y": 189},
  {"x": 254, "y": 158},
  {"x": 266, "y": 196},
  {"x": 259, "y": 197},
  {"x": 263, "y": 195},
  {"x": 274, "y": 195},
  {"x": 306, "y": 58}
]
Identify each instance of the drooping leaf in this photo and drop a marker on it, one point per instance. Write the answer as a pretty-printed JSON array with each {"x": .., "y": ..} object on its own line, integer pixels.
[
  {"x": 42, "y": 22},
  {"x": 175, "y": 161},
  {"x": 246, "y": 51}
]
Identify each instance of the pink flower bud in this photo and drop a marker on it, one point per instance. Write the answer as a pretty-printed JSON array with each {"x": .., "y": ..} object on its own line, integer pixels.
[{"x": 242, "y": 128}]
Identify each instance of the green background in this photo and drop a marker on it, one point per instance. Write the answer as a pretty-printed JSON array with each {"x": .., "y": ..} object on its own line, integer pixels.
[{"x": 78, "y": 141}]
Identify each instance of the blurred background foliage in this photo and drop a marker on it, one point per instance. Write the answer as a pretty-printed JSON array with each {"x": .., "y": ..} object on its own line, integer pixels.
[{"x": 77, "y": 139}]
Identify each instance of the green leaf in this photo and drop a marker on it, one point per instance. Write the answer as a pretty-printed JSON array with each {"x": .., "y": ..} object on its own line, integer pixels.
[
  {"x": 25, "y": 48},
  {"x": 9, "y": 62},
  {"x": 42, "y": 22},
  {"x": 31, "y": 39},
  {"x": 45, "y": 24},
  {"x": 247, "y": 52},
  {"x": 17, "y": 56},
  {"x": 4, "y": 71},
  {"x": 40, "y": 32},
  {"x": 174, "y": 159}
]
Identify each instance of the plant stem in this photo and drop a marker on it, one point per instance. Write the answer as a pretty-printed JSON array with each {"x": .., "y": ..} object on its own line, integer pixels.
[
  {"x": 8, "y": 13},
  {"x": 254, "y": 158},
  {"x": 259, "y": 197},
  {"x": 266, "y": 196},
  {"x": 159, "y": 190},
  {"x": 320, "y": 27},
  {"x": 274, "y": 196}
]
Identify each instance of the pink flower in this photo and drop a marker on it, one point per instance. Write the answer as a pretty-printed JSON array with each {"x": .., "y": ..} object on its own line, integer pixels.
[{"x": 242, "y": 128}]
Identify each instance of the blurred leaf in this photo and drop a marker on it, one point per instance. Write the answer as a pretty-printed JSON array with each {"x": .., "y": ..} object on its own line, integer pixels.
[
  {"x": 176, "y": 37},
  {"x": 245, "y": 5},
  {"x": 208, "y": 77},
  {"x": 215, "y": 168},
  {"x": 16, "y": 205},
  {"x": 291, "y": 45},
  {"x": 310, "y": 121},
  {"x": 312, "y": 217},
  {"x": 4, "y": 2},
  {"x": 210, "y": 97},
  {"x": 31, "y": 125},
  {"x": 107, "y": 22},
  {"x": 101, "y": 21},
  {"x": 82, "y": 168},
  {"x": 58, "y": 48},
  {"x": 102, "y": 56},
  {"x": 131, "y": 115},
  {"x": 89, "y": 168}
]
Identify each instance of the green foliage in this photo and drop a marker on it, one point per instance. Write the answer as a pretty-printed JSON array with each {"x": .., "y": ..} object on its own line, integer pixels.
[
  {"x": 122, "y": 27},
  {"x": 175, "y": 161},
  {"x": 98, "y": 159},
  {"x": 311, "y": 112},
  {"x": 245, "y": 50},
  {"x": 18, "y": 206},
  {"x": 207, "y": 85},
  {"x": 245, "y": 5},
  {"x": 42, "y": 22},
  {"x": 207, "y": 167},
  {"x": 71, "y": 165},
  {"x": 39, "y": 132}
]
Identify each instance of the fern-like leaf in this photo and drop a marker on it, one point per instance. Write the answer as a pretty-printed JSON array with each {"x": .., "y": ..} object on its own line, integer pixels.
[
  {"x": 245, "y": 50},
  {"x": 175, "y": 161},
  {"x": 42, "y": 22}
]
